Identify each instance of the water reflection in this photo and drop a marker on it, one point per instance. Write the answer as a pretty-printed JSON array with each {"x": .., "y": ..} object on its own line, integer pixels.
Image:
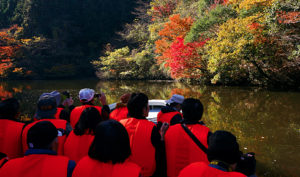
[{"x": 264, "y": 122}]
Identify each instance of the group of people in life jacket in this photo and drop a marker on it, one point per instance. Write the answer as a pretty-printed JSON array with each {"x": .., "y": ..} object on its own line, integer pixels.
[{"x": 91, "y": 141}]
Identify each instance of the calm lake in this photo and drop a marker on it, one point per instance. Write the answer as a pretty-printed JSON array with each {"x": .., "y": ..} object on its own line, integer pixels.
[{"x": 265, "y": 122}]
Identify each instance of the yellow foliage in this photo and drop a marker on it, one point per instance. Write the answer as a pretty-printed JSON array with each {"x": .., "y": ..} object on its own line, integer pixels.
[
  {"x": 230, "y": 46},
  {"x": 248, "y": 4}
]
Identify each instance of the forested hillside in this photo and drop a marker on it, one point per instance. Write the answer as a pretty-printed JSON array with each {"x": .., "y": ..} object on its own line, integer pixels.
[
  {"x": 58, "y": 38},
  {"x": 232, "y": 42}
]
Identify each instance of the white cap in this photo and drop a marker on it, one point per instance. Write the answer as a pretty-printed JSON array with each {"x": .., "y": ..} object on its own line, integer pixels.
[
  {"x": 86, "y": 94},
  {"x": 176, "y": 99}
]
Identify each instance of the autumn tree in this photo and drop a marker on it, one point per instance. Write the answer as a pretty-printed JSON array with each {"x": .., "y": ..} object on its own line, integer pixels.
[
  {"x": 8, "y": 48},
  {"x": 177, "y": 27},
  {"x": 185, "y": 61}
]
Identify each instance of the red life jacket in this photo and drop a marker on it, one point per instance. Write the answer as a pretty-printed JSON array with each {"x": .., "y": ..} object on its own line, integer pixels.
[
  {"x": 201, "y": 169},
  {"x": 167, "y": 117},
  {"x": 58, "y": 123},
  {"x": 142, "y": 150},
  {"x": 36, "y": 165},
  {"x": 76, "y": 146},
  {"x": 119, "y": 113},
  {"x": 76, "y": 113},
  {"x": 11, "y": 138},
  {"x": 88, "y": 167},
  {"x": 57, "y": 114},
  {"x": 181, "y": 150}
]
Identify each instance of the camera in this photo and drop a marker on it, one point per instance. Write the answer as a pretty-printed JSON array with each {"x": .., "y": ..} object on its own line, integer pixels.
[
  {"x": 247, "y": 164},
  {"x": 97, "y": 95},
  {"x": 66, "y": 94}
]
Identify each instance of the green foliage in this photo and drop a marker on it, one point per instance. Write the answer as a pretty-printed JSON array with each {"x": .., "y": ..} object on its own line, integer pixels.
[{"x": 202, "y": 26}]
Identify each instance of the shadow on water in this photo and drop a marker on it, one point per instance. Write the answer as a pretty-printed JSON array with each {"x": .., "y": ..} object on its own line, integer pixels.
[{"x": 264, "y": 122}]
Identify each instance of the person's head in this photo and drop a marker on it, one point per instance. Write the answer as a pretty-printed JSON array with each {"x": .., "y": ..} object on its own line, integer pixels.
[
  {"x": 55, "y": 94},
  {"x": 222, "y": 146},
  {"x": 88, "y": 121},
  {"x": 111, "y": 143},
  {"x": 192, "y": 110},
  {"x": 42, "y": 135},
  {"x": 86, "y": 95},
  {"x": 175, "y": 101},
  {"x": 46, "y": 107},
  {"x": 9, "y": 109},
  {"x": 138, "y": 105}
]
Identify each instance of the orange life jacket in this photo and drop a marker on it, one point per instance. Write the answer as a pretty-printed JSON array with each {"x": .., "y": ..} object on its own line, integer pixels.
[
  {"x": 119, "y": 113},
  {"x": 142, "y": 150},
  {"x": 167, "y": 117},
  {"x": 88, "y": 167},
  {"x": 58, "y": 123},
  {"x": 76, "y": 113},
  {"x": 181, "y": 150},
  {"x": 76, "y": 146},
  {"x": 11, "y": 138},
  {"x": 57, "y": 114},
  {"x": 201, "y": 169},
  {"x": 36, "y": 165}
]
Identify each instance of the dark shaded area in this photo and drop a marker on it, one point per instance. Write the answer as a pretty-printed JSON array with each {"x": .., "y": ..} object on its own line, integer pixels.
[{"x": 66, "y": 34}]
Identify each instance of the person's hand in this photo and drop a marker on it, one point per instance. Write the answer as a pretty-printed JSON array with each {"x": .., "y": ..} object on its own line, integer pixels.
[
  {"x": 247, "y": 164},
  {"x": 102, "y": 99},
  {"x": 68, "y": 102},
  {"x": 164, "y": 127}
]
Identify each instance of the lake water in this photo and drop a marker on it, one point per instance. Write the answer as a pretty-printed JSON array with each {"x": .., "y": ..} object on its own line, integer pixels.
[{"x": 265, "y": 122}]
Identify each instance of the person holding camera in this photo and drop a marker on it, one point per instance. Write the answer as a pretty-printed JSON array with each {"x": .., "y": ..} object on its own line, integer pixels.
[
  {"x": 87, "y": 98},
  {"x": 46, "y": 110},
  {"x": 181, "y": 149},
  {"x": 225, "y": 159}
]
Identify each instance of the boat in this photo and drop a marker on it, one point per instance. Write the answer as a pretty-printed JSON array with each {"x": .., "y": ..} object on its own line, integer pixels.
[{"x": 155, "y": 105}]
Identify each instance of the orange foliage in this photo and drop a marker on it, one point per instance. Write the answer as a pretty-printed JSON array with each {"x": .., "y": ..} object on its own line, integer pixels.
[
  {"x": 8, "y": 47},
  {"x": 176, "y": 27},
  {"x": 288, "y": 17},
  {"x": 4, "y": 94}
]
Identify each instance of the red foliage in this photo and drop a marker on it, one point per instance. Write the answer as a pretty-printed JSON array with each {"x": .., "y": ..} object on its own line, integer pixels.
[
  {"x": 185, "y": 59},
  {"x": 8, "y": 48},
  {"x": 177, "y": 27},
  {"x": 288, "y": 17},
  {"x": 216, "y": 2},
  {"x": 163, "y": 11}
]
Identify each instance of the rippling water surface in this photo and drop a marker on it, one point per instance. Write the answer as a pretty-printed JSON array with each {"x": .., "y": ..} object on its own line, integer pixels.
[{"x": 265, "y": 122}]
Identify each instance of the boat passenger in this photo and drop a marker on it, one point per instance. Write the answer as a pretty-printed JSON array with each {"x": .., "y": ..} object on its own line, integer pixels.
[
  {"x": 171, "y": 112},
  {"x": 40, "y": 159},
  {"x": 64, "y": 104},
  {"x": 145, "y": 140},
  {"x": 121, "y": 111},
  {"x": 80, "y": 139},
  {"x": 108, "y": 154},
  {"x": 86, "y": 97},
  {"x": 181, "y": 150},
  {"x": 223, "y": 154},
  {"x": 46, "y": 109},
  {"x": 11, "y": 129}
]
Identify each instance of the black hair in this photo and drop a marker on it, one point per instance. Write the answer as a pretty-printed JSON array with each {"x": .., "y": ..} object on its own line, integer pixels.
[
  {"x": 222, "y": 146},
  {"x": 9, "y": 108},
  {"x": 41, "y": 135},
  {"x": 136, "y": 104},
  {"x": 192, "y": 110},
  {"x": 111, "y": 143},
  {"x": 173, "y": 104},
  {"x": 88, "y": 121}
]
